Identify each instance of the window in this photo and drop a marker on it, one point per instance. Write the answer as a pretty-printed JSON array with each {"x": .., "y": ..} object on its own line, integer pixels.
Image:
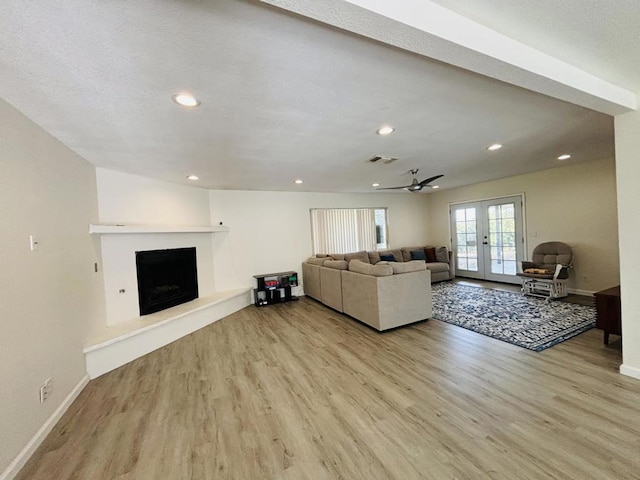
[{"x": 345, "y": 230}]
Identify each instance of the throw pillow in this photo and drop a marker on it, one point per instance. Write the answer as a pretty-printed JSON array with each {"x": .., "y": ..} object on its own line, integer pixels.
[
  {"x": 363, "y": 256},
  {"x": 387, "y": 258},
  {"x": 406, "y": 252},
  {"x": 442, "y": 255},
  {"x": 418, "y": 255},
  {"x": 430, "y": 252}
]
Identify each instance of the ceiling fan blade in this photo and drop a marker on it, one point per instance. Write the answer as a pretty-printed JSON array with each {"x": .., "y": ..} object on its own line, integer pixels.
[
  {"x": 426, "y": 182},
  {"x": 394, "y": 188}
]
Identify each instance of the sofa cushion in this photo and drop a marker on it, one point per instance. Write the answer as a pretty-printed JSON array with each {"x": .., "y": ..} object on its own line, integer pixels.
[
  {"x": 322, "y": 255},
  {"x": 419, "y": 255},
  {"x": 442, "y": 254},
  {"x": 437, "y": 267},
  {"x": 387, "y": 257},
  {"x": 406, "y": 253},
  {"x": 374, "y": 257},
  {"x": 430, "y": 252},
  {"x": 316, "y": 261},
  {"x": 380, "y": 270},
  {"x": 410, "y": 266},
  {"x": 363, "y": 256},
  {"x": 337, "y": 264},
  {"x": 337, "y": 256}
]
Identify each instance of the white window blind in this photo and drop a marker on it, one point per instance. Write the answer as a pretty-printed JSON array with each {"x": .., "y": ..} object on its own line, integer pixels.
[{"x": 343, "y": 230}]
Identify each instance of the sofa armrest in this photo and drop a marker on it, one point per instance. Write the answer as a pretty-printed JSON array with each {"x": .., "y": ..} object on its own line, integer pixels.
[
  {"x": 387, "y": 302},
  {"x": 311, "y": 280}
]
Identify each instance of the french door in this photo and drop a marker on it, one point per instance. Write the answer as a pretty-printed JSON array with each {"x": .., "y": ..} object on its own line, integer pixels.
[{"x": 488, "y": 239}]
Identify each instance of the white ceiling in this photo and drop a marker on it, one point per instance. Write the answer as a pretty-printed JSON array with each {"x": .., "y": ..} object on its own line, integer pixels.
[{"x": 284, "y": 97}]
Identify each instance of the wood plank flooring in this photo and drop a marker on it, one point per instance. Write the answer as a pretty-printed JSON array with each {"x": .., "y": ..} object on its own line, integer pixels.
[{"x": 298, "y": 391}]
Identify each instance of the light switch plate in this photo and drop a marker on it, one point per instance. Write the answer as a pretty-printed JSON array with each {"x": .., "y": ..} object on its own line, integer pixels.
[{"x": 33, "y": 242}]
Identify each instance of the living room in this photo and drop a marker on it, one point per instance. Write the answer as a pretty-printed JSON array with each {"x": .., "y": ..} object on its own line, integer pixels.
[{"x": 54, "y": 300}]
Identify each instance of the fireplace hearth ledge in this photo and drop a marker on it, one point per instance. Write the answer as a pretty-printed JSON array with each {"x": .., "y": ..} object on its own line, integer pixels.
[{"x": 122, "y": 343}]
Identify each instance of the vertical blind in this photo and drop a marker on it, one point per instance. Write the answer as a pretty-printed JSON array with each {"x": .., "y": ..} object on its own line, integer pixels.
[{"x": 343, "y": 230}]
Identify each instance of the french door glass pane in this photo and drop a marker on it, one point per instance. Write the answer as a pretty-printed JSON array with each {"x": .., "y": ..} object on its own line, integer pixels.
[
  {"x": 470, "y": 213},
  {"x": 509, "y": 253},
  {"x": 509, "y": 239},
  {"x": 509, "y": 267}
]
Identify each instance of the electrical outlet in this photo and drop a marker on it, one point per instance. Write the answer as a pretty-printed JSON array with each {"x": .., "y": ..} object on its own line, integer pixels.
[{"x": 46, "y": 390}]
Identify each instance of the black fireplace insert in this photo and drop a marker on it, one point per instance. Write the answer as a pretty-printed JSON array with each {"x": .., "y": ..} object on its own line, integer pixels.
[{"x": 166, "y": 278}]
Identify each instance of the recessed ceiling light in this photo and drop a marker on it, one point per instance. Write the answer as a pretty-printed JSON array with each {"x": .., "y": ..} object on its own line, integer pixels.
[
  {"x": 375, "y": 184},
  {"x": 435, "y": 186},
  {"x": 495, "y": 146},
  {"x": 193, "y": 177},
  {"x": 298, "y": 181},
  {"x": 185, "y": 99},
  {"x": 566, "y": 156},
  {"x": 385, "y": 130}
]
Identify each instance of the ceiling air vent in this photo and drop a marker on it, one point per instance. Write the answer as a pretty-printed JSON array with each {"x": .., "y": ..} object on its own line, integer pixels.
[{"x": 385, "y": 160}]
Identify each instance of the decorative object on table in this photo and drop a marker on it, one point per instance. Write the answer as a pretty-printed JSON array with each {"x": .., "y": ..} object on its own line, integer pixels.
[
  {"x": 415, "y": 186},
  {"x": 547, "y": 273},
  {"x": 274, "y": 288},
  {"x": 528, "y": 322}
]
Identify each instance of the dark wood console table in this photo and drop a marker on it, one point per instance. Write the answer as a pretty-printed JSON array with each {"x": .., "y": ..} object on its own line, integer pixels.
[
  {"x": 274, "y": 288},
  {"x": 608, "y": 312}
]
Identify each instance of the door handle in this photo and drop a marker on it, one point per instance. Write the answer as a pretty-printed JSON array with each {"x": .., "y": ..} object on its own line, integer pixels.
[{"x": 485, "y": 243}]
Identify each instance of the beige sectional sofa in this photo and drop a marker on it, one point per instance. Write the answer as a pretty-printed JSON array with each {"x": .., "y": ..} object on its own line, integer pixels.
[{"x": 379, "y": 291}]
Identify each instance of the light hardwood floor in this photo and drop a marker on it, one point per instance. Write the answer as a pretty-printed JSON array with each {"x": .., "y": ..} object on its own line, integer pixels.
[{"x": 298, "y": 391}]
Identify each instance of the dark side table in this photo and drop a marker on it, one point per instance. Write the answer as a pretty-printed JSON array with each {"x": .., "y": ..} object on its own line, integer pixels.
[{"x": 608, "y": 312}]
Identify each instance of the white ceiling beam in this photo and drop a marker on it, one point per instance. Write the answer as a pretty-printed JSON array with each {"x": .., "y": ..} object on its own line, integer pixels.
[{"x": 427, "y": 29}]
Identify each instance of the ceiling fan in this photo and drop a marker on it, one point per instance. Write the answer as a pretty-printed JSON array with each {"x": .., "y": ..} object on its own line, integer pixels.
[{"x": 415, "y": 186}]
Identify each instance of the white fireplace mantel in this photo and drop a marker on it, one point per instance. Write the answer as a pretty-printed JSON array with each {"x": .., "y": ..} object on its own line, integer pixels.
[{"x": 100, "y": 229}]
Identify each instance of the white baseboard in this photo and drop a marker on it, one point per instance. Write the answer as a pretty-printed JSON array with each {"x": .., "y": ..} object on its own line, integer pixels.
[
  {"x": 630, "y": 371},
  {"x": 577, "y": 291},
  {"x": 22, "y": 458}
]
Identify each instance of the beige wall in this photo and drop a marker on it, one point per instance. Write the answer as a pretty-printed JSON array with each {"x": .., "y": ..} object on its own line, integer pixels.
[
  {"x": 627, "y": 128},
  {"x": 271, "y": 231},
  {"x": 575, "y": 204},
  {"x": 50, "y": 298}
]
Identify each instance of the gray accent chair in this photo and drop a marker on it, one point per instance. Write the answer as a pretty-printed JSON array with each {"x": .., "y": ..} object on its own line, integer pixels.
[{"x": 547, "y": 273}]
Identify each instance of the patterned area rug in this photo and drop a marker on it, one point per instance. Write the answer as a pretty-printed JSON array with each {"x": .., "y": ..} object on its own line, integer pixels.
[{"x": 528, "y": 322}]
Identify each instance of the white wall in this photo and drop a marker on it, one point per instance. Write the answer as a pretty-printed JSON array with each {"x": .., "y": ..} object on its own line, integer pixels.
[
  {"x": 135, "y": 200},
  {"x": 627, "y": 128},
  {"x": 575, "y": 204},
  {"x": 271, "y": 231},
  {"x": 50, "y": 299}
]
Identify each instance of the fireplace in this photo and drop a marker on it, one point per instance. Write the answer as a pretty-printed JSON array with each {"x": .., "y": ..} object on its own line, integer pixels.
[{"x": 166, "y": 278}]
